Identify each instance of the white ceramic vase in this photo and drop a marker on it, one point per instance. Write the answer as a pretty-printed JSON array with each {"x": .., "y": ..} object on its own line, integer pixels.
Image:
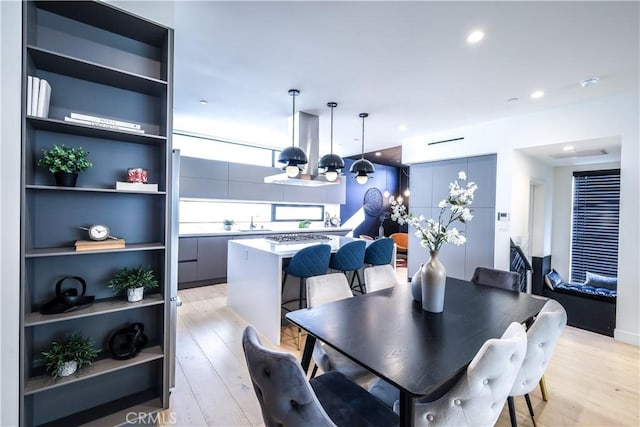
[
  {"x": 68, "y": 368},
  {"x": 434, "y": 277},
  {"x": 135, "y": 294},
  {"x": 416, "y": 285}
]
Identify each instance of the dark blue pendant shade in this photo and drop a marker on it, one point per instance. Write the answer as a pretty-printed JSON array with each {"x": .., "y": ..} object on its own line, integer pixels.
[
  {"x": 292, "y": 156},
  {"x": 331, "y": 161},
  {"x": 362, "y": 167}
]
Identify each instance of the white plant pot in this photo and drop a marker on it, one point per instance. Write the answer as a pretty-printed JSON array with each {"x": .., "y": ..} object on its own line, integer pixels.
[
  {"x": 68, "y": 368},
  {"x": 134, "y": 295}
]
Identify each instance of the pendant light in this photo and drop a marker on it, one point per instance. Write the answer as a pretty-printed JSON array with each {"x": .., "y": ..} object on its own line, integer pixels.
[
  {"x": 293, "y": 156},
  {"x": 363, "y": 167},
  {"x": 331, "y": 163}
]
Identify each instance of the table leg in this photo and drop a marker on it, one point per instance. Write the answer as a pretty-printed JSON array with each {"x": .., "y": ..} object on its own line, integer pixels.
[
  {"x": 307, "y": 352},
  {"x": 407, "y": 409}
]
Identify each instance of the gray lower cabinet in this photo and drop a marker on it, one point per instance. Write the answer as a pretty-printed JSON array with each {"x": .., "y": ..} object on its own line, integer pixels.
[{"x": 212, "y": 257}]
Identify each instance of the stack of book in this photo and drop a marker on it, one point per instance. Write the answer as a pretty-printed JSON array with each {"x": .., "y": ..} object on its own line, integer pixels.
[
  {"x": 103, "y": 122},
  {"x": 95, "y": 245},
  {"x": 136, "y": 186},
  {"x": 38, "y": 96}
]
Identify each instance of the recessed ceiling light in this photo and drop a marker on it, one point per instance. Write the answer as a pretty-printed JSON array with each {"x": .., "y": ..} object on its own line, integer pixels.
[
  {"x": 378, "y": 154},
  {"x": 402, "y": 128},
  {"x": 475, "y": 37},
  {"x": 568, "y": 148},
  {"x": 203, "y": 102},
  {"x": 589, "y": 82},
  {"x": 537, "y": 94}
]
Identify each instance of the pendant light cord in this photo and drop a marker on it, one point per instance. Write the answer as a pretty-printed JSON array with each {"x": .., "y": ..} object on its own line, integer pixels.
[
  {"x": 332, "y": 128},
  {"x": 362, "y": 155},
  {"x": 293, "y": 120}
]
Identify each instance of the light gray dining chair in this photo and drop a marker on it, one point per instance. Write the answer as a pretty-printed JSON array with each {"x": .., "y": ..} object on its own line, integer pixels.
[
  {"x": 478, "y": 397},
  {"x": 322, "y": 290},
  {"x": 542, "y": 337},
  {"x": 379, "y": 277},
  {"x": 287, "y": 399}
]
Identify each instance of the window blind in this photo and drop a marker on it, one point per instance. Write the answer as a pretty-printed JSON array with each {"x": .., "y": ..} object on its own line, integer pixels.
[{"x": 594, "y": 235}]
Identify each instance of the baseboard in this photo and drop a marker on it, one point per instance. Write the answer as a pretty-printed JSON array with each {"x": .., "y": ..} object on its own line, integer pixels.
[{"x": 626, "y": 337}]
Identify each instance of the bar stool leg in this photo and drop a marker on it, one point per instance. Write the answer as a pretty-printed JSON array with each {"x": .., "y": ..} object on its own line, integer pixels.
[{"x": 302, "y": 292}]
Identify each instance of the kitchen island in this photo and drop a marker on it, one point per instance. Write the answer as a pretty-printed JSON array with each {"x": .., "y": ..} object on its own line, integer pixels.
[{"x": 254, "y": 279}]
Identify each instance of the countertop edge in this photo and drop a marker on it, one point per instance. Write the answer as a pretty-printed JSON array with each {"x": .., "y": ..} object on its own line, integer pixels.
[{"x": 266, "y": 232}]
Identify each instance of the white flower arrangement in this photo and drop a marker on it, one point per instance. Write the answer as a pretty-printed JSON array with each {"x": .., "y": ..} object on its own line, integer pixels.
[{"x": 433, "y": 234}]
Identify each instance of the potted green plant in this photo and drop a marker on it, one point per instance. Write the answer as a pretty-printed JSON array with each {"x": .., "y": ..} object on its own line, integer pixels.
[
  {"x": 65, "y": 163},
  {"x": 228, "y": 223},
  {"x": 69, "y": 354},
  {"x": 133, "y": 280}
]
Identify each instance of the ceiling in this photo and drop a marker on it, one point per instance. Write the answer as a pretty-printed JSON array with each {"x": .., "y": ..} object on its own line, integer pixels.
[{"x": 405, "y": 63}]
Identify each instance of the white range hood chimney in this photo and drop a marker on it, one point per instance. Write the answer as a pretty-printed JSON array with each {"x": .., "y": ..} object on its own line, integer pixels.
[{"x": 306, "y": 137}]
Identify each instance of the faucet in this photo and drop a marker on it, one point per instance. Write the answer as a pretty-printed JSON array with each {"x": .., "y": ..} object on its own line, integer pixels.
[{"x": 252, "y": 225}]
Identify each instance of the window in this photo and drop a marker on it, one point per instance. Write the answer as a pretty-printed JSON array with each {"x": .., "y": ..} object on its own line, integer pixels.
[
  {"x": 594, "y": 234},
  {"x": 213, "y": 149}
]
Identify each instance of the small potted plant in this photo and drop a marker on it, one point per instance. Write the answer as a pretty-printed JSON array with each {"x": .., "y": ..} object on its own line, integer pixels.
[
  {"x": 228, "y": 223},
  {"x": 69, "y": 354},
  {"x": 133, "y": 280},
  {"x": 65, "y": 163}
]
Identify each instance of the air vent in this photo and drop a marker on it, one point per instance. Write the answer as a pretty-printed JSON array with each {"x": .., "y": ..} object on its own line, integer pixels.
[
  {"x": 583, "y": 153},
  {"x": 445, "y": 140}
]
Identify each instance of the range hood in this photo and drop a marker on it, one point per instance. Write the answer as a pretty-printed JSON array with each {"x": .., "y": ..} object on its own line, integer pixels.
[{"x": 307, "y": 138}]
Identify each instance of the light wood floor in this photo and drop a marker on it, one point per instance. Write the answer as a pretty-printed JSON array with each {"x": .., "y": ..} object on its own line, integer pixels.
[{"x": 592, "y": 379}]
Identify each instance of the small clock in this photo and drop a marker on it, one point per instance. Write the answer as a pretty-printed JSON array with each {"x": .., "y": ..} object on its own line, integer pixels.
[
  {"x": 98, "y": 232},
  {"x": 335, "y": 221}
]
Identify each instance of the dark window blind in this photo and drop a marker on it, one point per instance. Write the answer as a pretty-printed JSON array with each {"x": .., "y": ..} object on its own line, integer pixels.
[{"x": 596, "y": 211}]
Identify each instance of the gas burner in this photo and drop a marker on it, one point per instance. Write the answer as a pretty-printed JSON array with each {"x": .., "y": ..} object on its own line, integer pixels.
[{"x": 296, "y": 238}]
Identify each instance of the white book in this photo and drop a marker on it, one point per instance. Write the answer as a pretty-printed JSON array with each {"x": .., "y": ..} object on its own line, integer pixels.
[
  {"x": 136, "y": 186},
  {"x": 35, "y": 89},
  {"x": 101, "y": 125},
  {"x": 29, "y": 90},
  {"x": 105, "y": 121},
  {"x": 44, "y": 96}
]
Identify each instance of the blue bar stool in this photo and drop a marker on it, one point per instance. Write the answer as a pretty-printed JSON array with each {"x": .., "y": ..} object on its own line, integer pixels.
[
  {"x": 379, "y": 252},
  {"x": 308, "y": 262},
  {"x": 350, "y": 257}
]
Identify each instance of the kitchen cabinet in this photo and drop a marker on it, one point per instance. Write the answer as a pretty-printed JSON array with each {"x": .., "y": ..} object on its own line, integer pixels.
[
  {"x": 429, "y": 185},
  {"x": 212, "y": 257},
  {"x": 104, "y": 62}
]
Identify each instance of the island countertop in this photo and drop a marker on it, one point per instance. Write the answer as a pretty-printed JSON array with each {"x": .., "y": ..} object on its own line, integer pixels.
[
  {"x": 266, "y": 232},
  {"x": 254, "y": 279}
]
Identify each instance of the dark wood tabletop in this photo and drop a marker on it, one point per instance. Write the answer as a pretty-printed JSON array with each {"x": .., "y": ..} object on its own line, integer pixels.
[{"x": 417, "y": 351}]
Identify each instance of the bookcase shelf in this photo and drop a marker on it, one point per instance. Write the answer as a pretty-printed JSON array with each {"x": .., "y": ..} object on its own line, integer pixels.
[
  {"x": 102, "y": 366},
  {"x": 86, "y": 70},
  {"x": 60, "y": 126},
  {"x": 46, "y": 252},
  {"x": 91, "y": 190},
  {"x": 103, "y": 62},
  {"x": 99, "y": 307}
]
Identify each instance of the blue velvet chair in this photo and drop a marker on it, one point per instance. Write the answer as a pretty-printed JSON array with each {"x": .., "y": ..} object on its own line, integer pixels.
[
  {"x": 379, "y": 252},
  {"x": 308, "y": 262},
  {"x": 350, "y": 257}
]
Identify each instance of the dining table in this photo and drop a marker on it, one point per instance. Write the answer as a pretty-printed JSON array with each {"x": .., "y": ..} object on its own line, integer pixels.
[{"x": 419, "y": 352}]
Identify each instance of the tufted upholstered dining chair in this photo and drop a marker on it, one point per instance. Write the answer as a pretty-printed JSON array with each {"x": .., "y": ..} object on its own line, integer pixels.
[
  {"x": 379, "y": 277},
  {"x": 350, "y": 257},
  {"x": 542, "y": 337},
  {"x": 287, "y": 399},
  {"x": 477, "y": 398},
  {"x": 322, "y": 290},
  {"x": 497, "y": 278}
]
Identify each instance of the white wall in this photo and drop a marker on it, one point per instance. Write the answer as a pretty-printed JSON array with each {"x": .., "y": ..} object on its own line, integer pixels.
[
  {"x": 618, "y": 116},
  {"x": 561, "y": 245},
  {"x": 10, "y": 82},
  {"x": 526, "y": 170}
]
